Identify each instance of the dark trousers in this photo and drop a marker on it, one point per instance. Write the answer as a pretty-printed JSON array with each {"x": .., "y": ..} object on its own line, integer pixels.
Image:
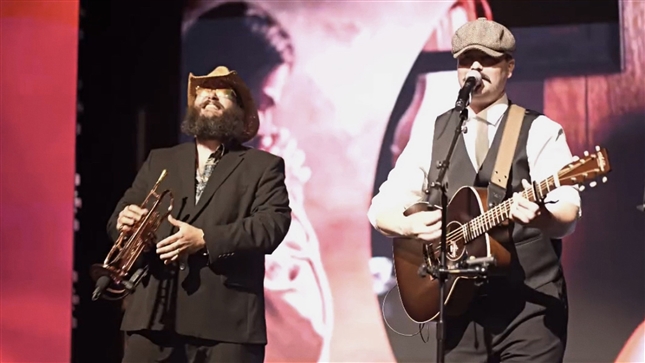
[
  {"x": 158, "y": 347},
  {"x": 511, "y": 325}
]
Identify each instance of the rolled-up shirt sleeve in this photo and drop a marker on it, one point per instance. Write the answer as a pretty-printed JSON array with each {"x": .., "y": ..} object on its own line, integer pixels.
[
  {"x": 548, "y": 152},
  {"x": 406, "y": 181}
]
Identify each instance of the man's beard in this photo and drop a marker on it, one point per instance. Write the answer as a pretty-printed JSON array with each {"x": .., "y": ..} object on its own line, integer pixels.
[{"x": 227, "y": 127}]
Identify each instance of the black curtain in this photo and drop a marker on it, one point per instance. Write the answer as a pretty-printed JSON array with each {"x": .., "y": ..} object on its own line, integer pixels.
[{"x": 129, "y": 54}]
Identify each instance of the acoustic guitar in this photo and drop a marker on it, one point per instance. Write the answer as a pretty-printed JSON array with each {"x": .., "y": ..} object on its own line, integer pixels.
[{"x": 473, "y": 231}]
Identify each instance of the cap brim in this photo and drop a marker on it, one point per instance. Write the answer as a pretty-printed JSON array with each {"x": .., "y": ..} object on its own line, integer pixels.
[{"x": 488, "y": 51}]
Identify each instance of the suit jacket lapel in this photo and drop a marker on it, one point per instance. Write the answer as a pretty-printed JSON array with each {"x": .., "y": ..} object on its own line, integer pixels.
[
  {"x": 186, "y": 160},
  {"x": 230, "y": 160}
]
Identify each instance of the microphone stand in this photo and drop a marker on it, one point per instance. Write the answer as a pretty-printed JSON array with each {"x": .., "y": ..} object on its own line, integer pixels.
[{"x": 471, "y": 267}]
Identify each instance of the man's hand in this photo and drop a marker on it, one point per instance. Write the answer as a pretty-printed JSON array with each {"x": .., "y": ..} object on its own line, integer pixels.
[
  {"x": 186, "y": 241},
  {"x": 425, "y": 226},
  {"x": 128, "y": 216},
  {"x": 525, "y": 212}
]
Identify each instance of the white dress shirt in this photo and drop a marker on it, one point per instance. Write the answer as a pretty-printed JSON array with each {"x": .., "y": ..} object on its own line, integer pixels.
[{"x": 546, "y": 149}]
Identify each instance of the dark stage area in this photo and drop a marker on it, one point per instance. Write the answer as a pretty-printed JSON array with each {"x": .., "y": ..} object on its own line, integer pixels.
[{"x": 128, "y": 103}]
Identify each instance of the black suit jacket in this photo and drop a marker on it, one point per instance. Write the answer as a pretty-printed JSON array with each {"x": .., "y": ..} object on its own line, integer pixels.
[{"x": 244, "y": 213}]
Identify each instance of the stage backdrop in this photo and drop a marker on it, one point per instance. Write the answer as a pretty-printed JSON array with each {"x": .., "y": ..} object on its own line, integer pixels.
[
  {"x": 341, "y": 84},
  {"x": 37, "y": 132}
]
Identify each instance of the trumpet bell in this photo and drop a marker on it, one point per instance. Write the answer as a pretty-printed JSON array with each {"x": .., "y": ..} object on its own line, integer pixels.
[
  {"x": 109, "y": 283},
  {"x": 107, "y": 286}
]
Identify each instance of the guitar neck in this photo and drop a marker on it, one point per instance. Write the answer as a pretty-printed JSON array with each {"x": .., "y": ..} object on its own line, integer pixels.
[{"x": 501, "y": 212}]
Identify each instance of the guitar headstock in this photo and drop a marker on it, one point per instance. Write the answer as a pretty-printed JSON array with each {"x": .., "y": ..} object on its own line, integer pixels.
[{"x": 586, "y": 169}]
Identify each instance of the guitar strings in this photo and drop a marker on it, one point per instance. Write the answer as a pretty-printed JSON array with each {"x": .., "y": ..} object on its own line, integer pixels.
[{"x": 481, "y": 220}]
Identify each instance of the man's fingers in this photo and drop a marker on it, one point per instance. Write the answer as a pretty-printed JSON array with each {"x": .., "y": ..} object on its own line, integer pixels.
[
  {"x": 133, "y": 212},
  {"x": 169, "y": 250},
  {"x": 422, "y": 223},
  {"x": 172, "y": 259},
  {"x": 127, "y": 221},
  {"x": 430, "y": 217},
  {"x": 423, "y": 230},
  {"x": 430, "y": 237},
  {"x": 527, "y": 206},
  {"x": 175, "y": 222},
  {"x": 136, "y": 209},
  {"x": 169, "y": 240},
  {"x": 526, "y": 184},
  {"x": 128, "y": 216},
  {"x": 172, "y": 255},
  {"x": 520, "y": 213}
]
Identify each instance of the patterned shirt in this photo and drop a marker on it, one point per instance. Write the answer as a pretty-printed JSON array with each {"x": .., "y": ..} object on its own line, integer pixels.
[{"x": 202, "y": 179}]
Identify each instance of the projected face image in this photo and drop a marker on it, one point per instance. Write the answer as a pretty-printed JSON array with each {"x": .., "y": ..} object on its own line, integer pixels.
[{"x": 269, "y": 97}]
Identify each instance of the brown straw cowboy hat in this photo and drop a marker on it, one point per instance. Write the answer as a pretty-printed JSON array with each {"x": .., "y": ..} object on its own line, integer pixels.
[{"x": 222, "y": 77}]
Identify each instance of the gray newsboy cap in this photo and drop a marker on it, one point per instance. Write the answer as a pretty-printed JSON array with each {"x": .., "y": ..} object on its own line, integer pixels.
[{"x": 486, "y": 35}]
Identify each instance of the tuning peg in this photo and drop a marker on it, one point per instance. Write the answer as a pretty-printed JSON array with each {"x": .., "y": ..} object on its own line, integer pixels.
[
  {"x": 604, "y": 179},
  {"x": 586, "y": 153},
  {"x": 581, "y": 188},
  {"x": 593, "y": 184},
  {"x": 597, "y": 148},
  {"x": 576, "y": 158}
]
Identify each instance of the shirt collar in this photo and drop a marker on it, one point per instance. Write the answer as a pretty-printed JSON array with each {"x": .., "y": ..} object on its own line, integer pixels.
[
  {"x": 217, "y": 154},
  {"x": 493, "y": 113},
  {"x": 221, "y": 150}
]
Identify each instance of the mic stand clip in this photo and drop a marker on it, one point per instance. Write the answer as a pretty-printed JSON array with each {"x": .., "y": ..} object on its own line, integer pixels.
[{"x": 474, "y": 267}]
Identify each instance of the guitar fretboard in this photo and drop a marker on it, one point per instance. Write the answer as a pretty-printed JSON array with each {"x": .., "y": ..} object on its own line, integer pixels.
[{"x": 501, "y": 212}]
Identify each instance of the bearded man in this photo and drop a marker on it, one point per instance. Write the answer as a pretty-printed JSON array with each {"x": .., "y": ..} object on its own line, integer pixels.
[{"x": 202, "y": 299}]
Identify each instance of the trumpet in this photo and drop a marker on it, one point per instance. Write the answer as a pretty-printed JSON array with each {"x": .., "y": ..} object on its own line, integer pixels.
[{"x": 114, "y": 279}]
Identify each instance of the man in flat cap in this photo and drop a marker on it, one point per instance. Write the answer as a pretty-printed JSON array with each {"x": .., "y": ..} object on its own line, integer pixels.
[
  {"x": 520, "y": 315},
  {"x": 202, "y": 298}
]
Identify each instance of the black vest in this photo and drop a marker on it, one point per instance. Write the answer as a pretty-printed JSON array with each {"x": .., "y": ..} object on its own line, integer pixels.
[{"x": 536, "y": 258}]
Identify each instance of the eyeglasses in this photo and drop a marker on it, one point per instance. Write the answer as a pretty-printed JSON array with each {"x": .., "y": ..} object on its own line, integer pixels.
[{"x": 221, "y": 92}]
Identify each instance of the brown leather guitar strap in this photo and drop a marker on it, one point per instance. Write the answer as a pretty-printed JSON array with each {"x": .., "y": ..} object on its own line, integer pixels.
[{"x": 499, "y": 177}]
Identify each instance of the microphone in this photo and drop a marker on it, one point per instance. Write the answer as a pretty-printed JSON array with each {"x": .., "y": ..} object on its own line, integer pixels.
[
  {"x": 101, "y": 284},
  {"x": 473, "y": 79}
]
